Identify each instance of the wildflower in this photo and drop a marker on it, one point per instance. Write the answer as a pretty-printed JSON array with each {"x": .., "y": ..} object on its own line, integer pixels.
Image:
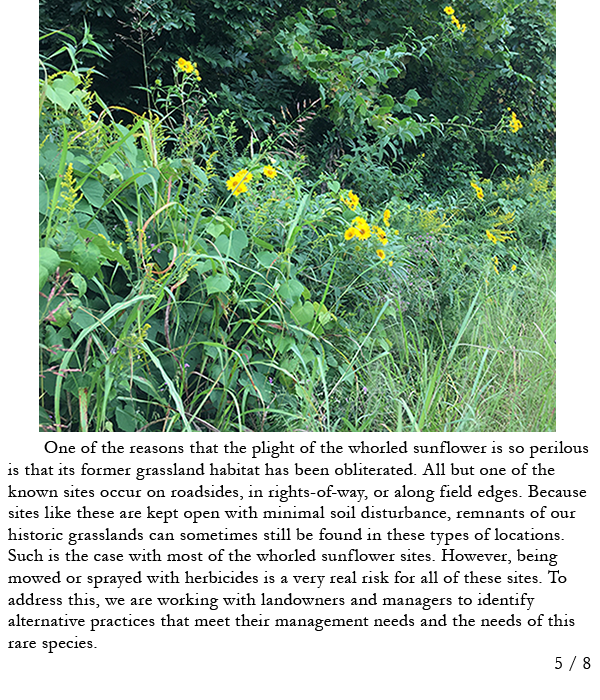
[
  {"x": 269, "y": 171},
  {"x": 513, "y": 268},
  {"x": 478, "y": 190},
  {"x": 496, "y": 263},
  {"x": 450, "y": 12},
  {"x": 491, "y": 236},
  {"x": 188, "y": 67},
  {"x": 381, "y": 254},
  {"x": 351, "y": 233},
  {"x": 351, "y": 201},
  {"x": 514, "y": 124},
  {"x": 68, "y": 192},
  {"x": 362, "y": 226},
  {"x": 386, "y": 217},
  {"x": 185, "y": 66},
  {"x": 380, "y": 233},
  {"x": 237, "y": 183}
]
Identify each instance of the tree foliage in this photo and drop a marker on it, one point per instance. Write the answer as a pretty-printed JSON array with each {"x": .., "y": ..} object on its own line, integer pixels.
[{"x": 389, "y": 75}]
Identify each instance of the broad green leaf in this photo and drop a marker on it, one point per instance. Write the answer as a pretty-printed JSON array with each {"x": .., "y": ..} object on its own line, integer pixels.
[
  {"x": 61, "y": 316},
  {"x": 109, "y": 251},
  {"x": 110, "y": 170},
  {"x": 291, "y": 290},
  {"x": 93, "y": 191},
  {"x": 231, "y": 246},
  {"x": 200, "y": 174},
  {"x": 412, "y": 98},
  {"x": 126, "y": 421},
  {"x": 79, "y": 283},
  {"x": 43, "y": 197},
  {"x": 43, "y": 278},
  {"x": 266, "y": 259},
  {"x": 386, "y": 104},
  {"x": 203, "y": 266},
  {"x": 217, "y": 283},
  {"x": 303, "y": 313},
  {"x": 282, "y": 342},
  {"x": 215, "y": 228},
  {"x": 49, "y": 259},
  {"x": 258, "y": 386},
  {"x": 82, "y": 318},
  {"x": 88, "y": 259},
  {"x": 323, "y": 314},
  {"x": 59, "y": 96}
]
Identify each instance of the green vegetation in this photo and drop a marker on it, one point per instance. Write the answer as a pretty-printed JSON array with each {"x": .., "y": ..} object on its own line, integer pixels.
[{"x": 371, "y": 248}]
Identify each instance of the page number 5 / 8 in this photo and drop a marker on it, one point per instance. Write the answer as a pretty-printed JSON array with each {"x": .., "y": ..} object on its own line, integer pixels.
[{"x": 584, "y": 663}]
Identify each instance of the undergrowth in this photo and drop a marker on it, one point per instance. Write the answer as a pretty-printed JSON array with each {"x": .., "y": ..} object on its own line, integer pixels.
[{"x": 188, "y": 284}]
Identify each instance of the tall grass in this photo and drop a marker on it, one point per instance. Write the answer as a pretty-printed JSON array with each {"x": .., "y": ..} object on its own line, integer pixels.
[{"x": 493, "y": 372}]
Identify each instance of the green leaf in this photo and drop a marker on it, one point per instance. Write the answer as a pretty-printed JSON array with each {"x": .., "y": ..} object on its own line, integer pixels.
[
  {"x": 323, "y": 314},
  {"x": 79, "y": 283},
  {"x": 88, "y": 259},
  {"x": 43, "y": 198},
  {"x": 49, "y": 259},
  {"x": 59, "y": 97},
  {"x": 203, "y": 266},
  {"x": 61, "y": 317},
  {"x": 262, "y": 244},
  {"x": 291, "y": 290},
  {"x": 282, "y": 342},
  {"x": 386, "y": 104},
  {"x": 217, "y": 283},
  {"x": 215, "y": 228},
  {"x": 266, "y": 259},
  {"x": 110, "y": 170},
  {"x": 43, "y": 278},
  {"x": 231, "y": 246},
  {"x": 412, "y": 98},
  {"x": 303, "y": 314},
  {"x": 200, "y": 174},
  {"x": 82, "y": 318},
  {"x": 126, "y": 421},
  {"x": 93, "y": 191},
  {"x": 109, "y": 251}
]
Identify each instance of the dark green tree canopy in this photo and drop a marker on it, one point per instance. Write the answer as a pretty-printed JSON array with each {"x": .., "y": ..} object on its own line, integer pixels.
[{"x": 385, "y": 72}]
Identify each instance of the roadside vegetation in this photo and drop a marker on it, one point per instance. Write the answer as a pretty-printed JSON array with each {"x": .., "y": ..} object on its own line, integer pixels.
[{"x": 373, "y": 249}]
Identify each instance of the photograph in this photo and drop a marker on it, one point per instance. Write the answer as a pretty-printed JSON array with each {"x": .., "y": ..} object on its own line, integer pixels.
[{"x": 297, "y": 216}]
